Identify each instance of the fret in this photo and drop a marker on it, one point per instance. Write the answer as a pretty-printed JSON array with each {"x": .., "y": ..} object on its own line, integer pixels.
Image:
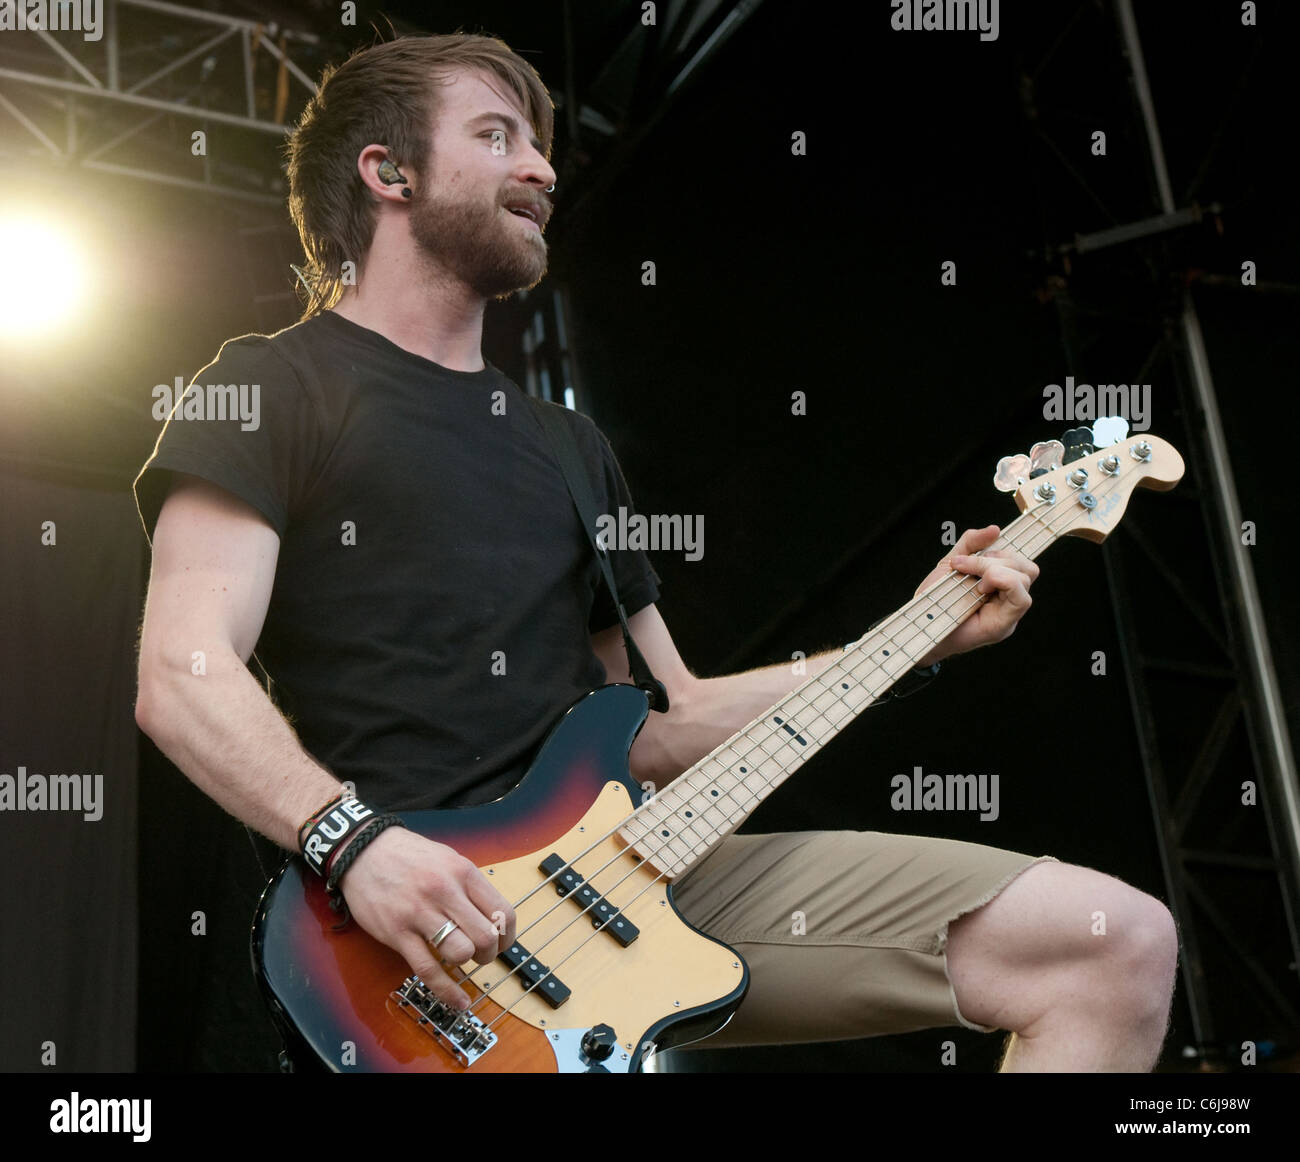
[
  {"x": 891, "y": 659},
  {"x": 830, "y": 709},
  {"x": 722, "y": 790},
  {"x": 716, "y": 808},
  {"x": 717, "y": 819},
  {"x": 773, "y": 748},
  {"x": 727, "y": 783},
  {"x": 668, "y": 842},
  {"x": 934, "y": 621},
  {"x": 853, "y": 695}
]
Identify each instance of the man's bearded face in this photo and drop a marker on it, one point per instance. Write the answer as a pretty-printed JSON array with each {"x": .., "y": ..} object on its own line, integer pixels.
[{"x": 470, "y": 234}]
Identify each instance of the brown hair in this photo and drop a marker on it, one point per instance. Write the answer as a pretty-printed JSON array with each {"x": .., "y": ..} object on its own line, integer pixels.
[{"x": 383, "y": 95}]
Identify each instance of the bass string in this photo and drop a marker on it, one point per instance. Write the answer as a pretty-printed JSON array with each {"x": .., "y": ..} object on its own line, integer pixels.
[
  {"x": 555, "y": 936},
  {"x": 862, "y": 670},
  {"x": 703, "y": 842},
  {"x": 506, "y": 1010},
  {"x": 964, "y": 584},
  {"x": 855, "y": 672}
]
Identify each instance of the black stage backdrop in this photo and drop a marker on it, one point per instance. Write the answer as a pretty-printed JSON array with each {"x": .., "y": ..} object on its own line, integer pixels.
[{"x": 69, "y": 613}]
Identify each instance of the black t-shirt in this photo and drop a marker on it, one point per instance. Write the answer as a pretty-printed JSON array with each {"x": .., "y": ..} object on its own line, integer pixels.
[{"x": 435, "y": 593}]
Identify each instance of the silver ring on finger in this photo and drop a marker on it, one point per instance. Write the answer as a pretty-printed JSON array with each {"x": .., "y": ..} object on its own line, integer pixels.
[{"x": 446, "y": 930}]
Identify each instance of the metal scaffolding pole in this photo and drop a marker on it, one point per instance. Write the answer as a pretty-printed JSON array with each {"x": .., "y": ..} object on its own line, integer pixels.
[{"x": 1266, "y": 707}]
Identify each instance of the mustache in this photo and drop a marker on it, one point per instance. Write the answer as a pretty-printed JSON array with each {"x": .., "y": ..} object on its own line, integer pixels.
[{"x": 541, "y": 207}]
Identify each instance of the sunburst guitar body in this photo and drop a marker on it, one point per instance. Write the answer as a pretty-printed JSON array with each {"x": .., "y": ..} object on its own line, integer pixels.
[{"x": 604, "y": 969}]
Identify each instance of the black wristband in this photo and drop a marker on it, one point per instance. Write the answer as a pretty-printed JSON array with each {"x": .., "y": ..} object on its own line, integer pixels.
[
  {"x": 315, "y": 816},
  {"x": 348, "y": 855},
  {"x": 331, "y": 829}
]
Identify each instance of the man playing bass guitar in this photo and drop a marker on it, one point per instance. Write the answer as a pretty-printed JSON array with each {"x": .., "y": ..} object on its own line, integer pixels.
[{"x": 395, "y": 521}]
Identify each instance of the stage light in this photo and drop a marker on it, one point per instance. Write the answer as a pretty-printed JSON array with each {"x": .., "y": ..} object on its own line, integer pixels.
[{"x": 43, "y": 278}]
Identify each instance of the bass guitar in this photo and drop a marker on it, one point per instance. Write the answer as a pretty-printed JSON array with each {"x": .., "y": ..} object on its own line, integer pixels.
[{"x": 604, "y": 970}]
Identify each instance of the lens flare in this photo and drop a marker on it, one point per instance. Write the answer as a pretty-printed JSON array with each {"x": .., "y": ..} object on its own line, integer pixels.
[{"x": 43, "y": 278}]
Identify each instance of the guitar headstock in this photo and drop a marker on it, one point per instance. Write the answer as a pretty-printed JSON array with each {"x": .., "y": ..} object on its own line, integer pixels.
[{"x": 1081, "y": 486}]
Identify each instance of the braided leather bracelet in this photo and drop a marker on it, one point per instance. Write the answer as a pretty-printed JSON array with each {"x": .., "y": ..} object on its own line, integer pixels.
[{"x": 348, "y": 855}]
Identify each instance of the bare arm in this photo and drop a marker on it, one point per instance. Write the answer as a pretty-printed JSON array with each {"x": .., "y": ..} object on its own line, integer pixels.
[
  {"x": 213, "y": 566},
  {"x": 702, "y": 712}
]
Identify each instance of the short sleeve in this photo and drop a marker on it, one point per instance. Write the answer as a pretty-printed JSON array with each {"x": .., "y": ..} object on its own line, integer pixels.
[
  {"x": 638, "y": 583},
  {"x": 246, "y": 424}
]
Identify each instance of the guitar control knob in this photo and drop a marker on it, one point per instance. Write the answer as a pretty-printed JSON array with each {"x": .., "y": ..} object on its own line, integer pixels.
[{"x": 598, "y": 1042}]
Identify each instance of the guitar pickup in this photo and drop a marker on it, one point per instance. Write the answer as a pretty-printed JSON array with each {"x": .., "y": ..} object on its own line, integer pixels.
[
  {"x": 603, "y": 914},
  {"x": 536, "y": 975}
]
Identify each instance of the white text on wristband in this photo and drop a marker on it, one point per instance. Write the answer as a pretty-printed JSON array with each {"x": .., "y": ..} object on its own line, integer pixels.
[{"x": 331, "y": 830}]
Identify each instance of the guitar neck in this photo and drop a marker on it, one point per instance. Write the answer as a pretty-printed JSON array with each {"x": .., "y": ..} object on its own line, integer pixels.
[{"x": 716, "y": 795}]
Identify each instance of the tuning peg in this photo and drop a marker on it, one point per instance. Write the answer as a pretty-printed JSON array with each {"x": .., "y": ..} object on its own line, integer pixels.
[
  {"x": 1078, "y": 443},
  {"x": 1046, "y": 455},
  {"x": 1109, "y": 430},
  {"x": 1012, "y": 472}
]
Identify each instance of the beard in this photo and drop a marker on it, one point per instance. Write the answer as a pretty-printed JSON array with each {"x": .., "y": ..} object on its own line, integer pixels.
[{"x": 473, "y": 243}]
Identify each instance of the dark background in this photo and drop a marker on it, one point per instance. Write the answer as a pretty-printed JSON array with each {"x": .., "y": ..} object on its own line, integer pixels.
[{"x": 775, "y": 273}]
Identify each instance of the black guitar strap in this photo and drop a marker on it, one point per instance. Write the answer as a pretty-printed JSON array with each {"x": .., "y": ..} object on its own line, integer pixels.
[{"x": 575, "y": 474}]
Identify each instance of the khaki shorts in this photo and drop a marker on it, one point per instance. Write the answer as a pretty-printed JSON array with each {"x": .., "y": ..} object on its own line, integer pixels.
[{"x": 857, "y": 921}]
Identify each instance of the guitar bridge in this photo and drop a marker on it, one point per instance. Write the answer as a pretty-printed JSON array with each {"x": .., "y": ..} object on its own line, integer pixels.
[{"x": 461, "y": 1034}]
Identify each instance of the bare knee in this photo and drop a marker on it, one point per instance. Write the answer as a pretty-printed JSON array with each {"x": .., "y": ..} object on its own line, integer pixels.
[
  {"x": 1140, "y": 940},
  {"x": 1063, "y": 938},
  {"x": 1122, "y": 971}
]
